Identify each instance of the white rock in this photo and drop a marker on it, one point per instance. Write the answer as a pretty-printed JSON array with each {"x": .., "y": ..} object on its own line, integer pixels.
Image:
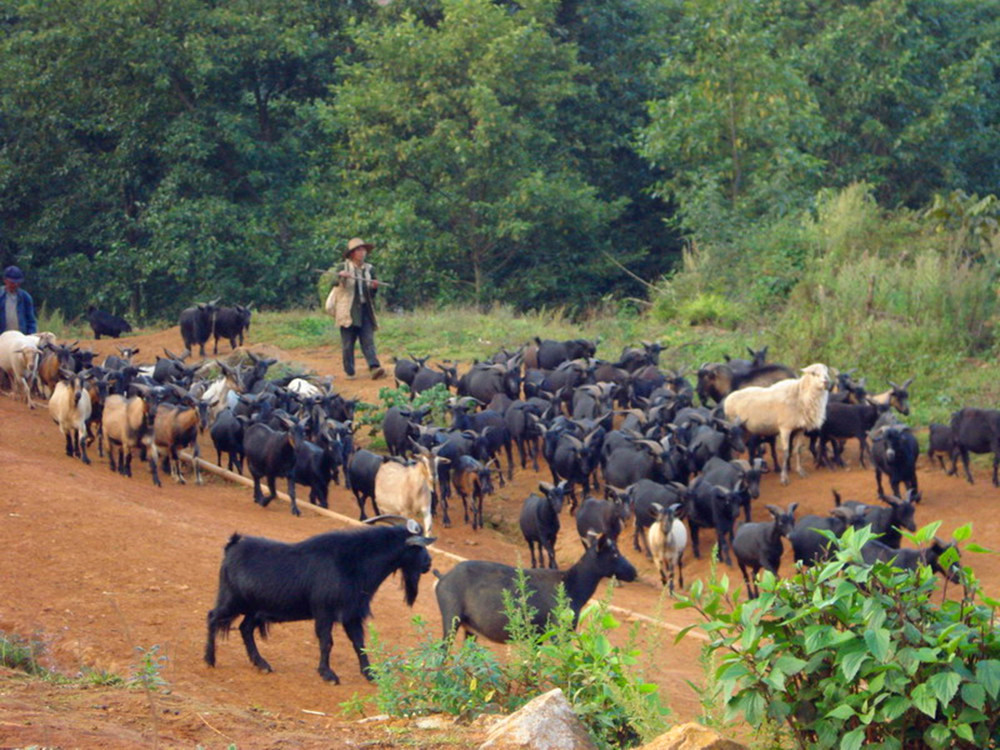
[{"x": 545, "y": 723}]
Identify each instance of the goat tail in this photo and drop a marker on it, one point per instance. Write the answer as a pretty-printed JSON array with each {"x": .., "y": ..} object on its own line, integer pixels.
[{"x": 437, "y": 573}]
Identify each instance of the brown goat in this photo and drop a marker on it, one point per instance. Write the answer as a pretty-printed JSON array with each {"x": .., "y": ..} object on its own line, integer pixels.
[
  {"x": 177, "y": 427},
  {"x": 125, "y": 423}
]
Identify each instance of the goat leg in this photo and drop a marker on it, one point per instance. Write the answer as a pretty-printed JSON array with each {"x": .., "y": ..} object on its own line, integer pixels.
[
  {"x": 356, "y": 632},
  {"x": 246, "y": 630},
  {"x": 324, "y": 632},
  {"x": 291, "y": 494}
]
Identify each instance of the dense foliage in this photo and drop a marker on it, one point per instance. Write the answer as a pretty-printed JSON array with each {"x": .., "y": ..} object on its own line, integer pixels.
[
  {"x": 156, "y": 153},
  {"x": 844, "y": 654},
  {"x": 604, "y": 683}
]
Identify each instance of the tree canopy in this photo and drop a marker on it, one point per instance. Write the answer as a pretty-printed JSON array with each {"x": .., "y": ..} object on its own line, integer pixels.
[{"x": 153, "y": 153}]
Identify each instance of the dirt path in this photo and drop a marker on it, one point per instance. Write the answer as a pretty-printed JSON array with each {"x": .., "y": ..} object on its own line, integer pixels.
[{"x": 97, "y": 565}]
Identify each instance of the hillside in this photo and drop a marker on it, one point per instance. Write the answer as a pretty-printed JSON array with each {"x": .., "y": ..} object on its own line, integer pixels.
[{"x": 97, "y": 565}]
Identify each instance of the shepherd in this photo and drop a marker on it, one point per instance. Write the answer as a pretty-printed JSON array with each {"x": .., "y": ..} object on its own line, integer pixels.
[{"x": 352, "y": 304}]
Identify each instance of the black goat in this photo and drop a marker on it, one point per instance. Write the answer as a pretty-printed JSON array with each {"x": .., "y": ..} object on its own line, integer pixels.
[
  {"x": 809, "y": 545},
  {"x": 401, "y": 425},
  {"x": 606, "y": 517},
  {"x": 714, "y": 507},
  {"x": 886, "y": 521},
  {"x": 894, "y": 453},
  {"x": 227, "y": 436},
  {"x": 522, "y": 423},
  {"x": 470, "y": 595},
  {"x": 540, "y": 521},
  {"x": 909, "y": 559},
  {"x": 551, "y": 354},
  {"x": 360, "y": 473},
  {"x": 941, "y": 440},
  {"x": 573, "y": 460},
  {"x": 106, "y": 324},
  {"x": 271, "y": 454},
  {"x": 484, "y": 381},
  {"x": 196, "y": 325},
  {"x": 230, "y": 323},
  {"x": 426, "y": 378},
  {"x": 977, "y": 431},
  {"x": 844, "y": 421},
  {"x": 314, "y": 468},
  {"x": 406, "y": 369},
  {"x": 729, "y": 473},
  {"x": 720, "y": 439},
  {"x": 328, "y": 578},
  {"x": 758, "y": 545}
]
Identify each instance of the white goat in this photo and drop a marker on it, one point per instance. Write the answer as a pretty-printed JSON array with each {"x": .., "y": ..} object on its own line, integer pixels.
[
  {"x": 667, "y": 539},
  {"x": 19, "y": 355},
  {"x": 786, "y": 409},
  {"x": 304, "y": 387},
  {"x": 405, "y": 489},
  {"x": 70, "y": 408}
]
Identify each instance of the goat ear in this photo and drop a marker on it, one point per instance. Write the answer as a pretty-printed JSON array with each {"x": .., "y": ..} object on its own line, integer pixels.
[
  {"x": 791, "y": 509},
  {"x": 658, "y": 508},
  {"x": 836, "y": 498},
  {"x": 774, "y": 510},
  {"x": 546, "y": 487}
]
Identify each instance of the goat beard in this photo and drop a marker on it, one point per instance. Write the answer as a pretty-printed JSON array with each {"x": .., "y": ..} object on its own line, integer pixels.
[{"x": 411, "y": 584}]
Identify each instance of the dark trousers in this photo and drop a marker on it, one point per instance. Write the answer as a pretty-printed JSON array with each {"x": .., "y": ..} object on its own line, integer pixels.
[{"x": 366, "y": 333}]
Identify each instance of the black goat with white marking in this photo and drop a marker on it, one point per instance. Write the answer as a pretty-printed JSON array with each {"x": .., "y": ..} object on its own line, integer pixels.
[{"x": 328, "y": 578}]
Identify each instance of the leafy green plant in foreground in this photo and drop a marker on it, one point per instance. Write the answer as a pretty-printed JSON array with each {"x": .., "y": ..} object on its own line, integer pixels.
[
  {"x": 846, "y": 654},
  {"x": 601, "y": 681}
]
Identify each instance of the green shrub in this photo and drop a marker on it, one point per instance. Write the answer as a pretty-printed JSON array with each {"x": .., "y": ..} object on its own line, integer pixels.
[
  {"x": 437, "y": 398},
  {"x": 709, "y": 309},
  {"x": 845, "y": 654},
  {"x": 602, "y": 682},
  {"x": 432, "y": 677}
]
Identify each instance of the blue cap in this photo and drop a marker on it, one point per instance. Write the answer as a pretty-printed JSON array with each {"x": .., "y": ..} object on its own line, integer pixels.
[{"x": 13, "y": 273}]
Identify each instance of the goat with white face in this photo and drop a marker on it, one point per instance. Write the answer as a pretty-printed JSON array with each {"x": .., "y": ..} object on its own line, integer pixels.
[{"x": 667, "y": 538}]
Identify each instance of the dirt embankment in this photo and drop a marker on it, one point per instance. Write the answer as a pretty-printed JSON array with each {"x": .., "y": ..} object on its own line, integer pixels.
[{"x": 97, "y": 566}]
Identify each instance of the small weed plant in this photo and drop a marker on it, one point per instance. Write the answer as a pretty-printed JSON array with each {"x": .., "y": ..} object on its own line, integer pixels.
[
  {"x": 147, "y": 672},
  {"x": 20, "y": 654},
  {"x": 432, "y": 677},
  {"x": 602, "y": 681},
  {"x": 845, "y": 654}
]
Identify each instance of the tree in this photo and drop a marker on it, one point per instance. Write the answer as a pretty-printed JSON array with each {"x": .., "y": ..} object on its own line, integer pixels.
[
  {"x": 454, "y": 160},
  {"x": 735, "y": 130}
]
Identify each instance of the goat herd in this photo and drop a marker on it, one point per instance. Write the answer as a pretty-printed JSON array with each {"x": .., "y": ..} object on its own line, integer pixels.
[{"x": 661, "y": 460}]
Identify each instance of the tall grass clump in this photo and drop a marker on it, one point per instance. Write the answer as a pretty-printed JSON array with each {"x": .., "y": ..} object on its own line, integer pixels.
[{"x": 896, "y": 294}]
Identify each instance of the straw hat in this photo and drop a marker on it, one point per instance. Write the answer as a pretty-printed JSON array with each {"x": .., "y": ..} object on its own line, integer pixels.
[{"x": 355, "y": 243}]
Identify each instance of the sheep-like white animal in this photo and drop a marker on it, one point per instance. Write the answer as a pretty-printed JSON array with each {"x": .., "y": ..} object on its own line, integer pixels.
[
  {"x": 19, "y": 355},
  {"x": 786, "y": 409},
  {"x": 668, "y": 539}
]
